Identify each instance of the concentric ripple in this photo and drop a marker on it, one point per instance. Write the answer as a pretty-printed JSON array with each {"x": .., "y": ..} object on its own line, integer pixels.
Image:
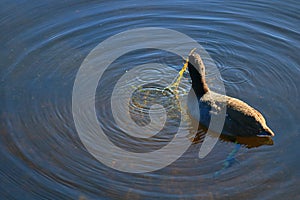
[
  {"x": 235, "y": 75},
  {"x": 144, "y": 98},
  {"x": 254, "y": 44}
]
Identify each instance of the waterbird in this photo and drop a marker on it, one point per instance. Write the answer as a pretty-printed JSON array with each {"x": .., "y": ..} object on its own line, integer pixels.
[{"x": 241, "y": 119}]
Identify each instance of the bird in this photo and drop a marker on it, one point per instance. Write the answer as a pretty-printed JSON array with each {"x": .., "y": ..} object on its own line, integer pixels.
[{"x": 240, "y": 119}]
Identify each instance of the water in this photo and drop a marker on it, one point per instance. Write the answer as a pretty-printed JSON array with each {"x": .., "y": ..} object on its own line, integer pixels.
[{"x": 254, "y": 44}]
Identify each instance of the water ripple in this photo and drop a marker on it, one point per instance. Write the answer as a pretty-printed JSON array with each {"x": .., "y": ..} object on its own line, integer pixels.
[
  {"x": 235, "y": 75},
  {"x": 252, "y": 43}
]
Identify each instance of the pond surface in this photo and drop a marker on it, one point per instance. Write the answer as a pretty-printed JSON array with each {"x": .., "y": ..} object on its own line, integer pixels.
[{"x": 255, "y": 46}]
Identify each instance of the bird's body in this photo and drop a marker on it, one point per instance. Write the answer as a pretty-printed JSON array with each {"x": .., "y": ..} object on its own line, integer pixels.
[{"x": 241, "y": 119}]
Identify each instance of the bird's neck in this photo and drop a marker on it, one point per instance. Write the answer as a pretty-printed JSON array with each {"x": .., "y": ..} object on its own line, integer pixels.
[
  {"x": 200, "y": 87},
  {"x": 198, "y": 81}
]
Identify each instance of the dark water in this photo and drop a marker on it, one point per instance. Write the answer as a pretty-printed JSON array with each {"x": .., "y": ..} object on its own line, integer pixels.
[{"x": 43, "y": 43}]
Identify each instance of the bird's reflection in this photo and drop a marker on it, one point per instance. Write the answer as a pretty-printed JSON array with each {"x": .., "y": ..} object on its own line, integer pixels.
[
  {"x": 247, "y": 142},
  {"x": 238, "y": 141}
]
